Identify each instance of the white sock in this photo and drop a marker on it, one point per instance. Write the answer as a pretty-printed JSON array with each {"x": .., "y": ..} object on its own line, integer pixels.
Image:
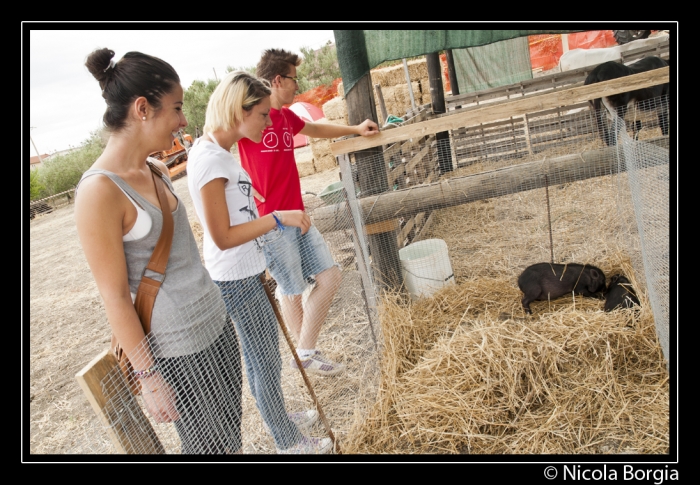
[{"x": 304, "y": 353}]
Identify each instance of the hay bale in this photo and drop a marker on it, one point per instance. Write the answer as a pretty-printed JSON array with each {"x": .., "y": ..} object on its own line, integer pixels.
[
  {"x": 305, "y": 161},
  {"x": 388, "y": 93},
  {"x": 425, "y": 91},
  {"x": 417, "y": 69},
  {"x": 322, "y": 155},
  {"x": 395, "y": 75},
  {"x": 341, "y": 90},
  {"x": 335, "y": 110},
  {"x": 403, "y": 99},
  {"x": 378, "y": 76}
]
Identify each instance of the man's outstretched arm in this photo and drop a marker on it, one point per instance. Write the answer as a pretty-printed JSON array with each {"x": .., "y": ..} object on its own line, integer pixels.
[{"x": 329, "y": 130}]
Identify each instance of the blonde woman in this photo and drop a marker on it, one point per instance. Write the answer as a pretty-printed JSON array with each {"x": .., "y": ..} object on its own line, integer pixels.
[{"x": 233, "y": 238}]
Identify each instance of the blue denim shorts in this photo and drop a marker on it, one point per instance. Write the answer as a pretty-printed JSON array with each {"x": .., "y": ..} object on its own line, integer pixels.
[{"x": 293, "y": 259}]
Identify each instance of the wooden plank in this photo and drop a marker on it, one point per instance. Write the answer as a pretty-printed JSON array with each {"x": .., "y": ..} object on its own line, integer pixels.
[
  {"x": 528, "y": 140},
  {"x": 497, "y": 129},
  {"x": 116, "y": 408},
  {"x": 548, "y": 82},
  {"x": 493, "y": 149},
  {"x": 495, "y": 183},
  {"x": 518, "y": 107},
  {"x": 417, "y": 159},
  {"x": 402, "y": 237},
  {"x": 660, "y": 50},
  {"x": 394, "y": 149},
  {"x": 496, "y": 137},
  {"x": 415, "y": 224},
  {"x": 424, "y": 230},
  {"x": 89, "y": 379},
  {"x": 559, "y": 109},
  {"x": 382, "y": 106}
]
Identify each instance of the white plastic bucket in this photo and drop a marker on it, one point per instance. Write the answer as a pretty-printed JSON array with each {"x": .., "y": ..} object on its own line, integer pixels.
[{"x": 426, "y": 267}]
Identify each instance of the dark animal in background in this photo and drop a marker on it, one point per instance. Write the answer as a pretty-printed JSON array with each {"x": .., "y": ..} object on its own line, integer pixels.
[
  {"x": 548, "y": 281},
  {"x": 620, "y": 294},
  {"x": 620, "y": 103}
]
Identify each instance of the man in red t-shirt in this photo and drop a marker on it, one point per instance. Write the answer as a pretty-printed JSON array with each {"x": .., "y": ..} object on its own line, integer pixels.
[{"x": 293, "y": 259}]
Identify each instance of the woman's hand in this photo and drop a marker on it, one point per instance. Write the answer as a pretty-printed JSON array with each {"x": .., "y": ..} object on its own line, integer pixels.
[
  {"x": 257, "y": 194},
  {"x": 296, "y": 218},
  {"x": 159, "y": 398}
]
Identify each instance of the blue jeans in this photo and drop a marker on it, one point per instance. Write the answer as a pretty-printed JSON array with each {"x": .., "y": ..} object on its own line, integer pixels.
[
  {"x": 256, "y": 323},
  {"x": 293, "y": 258},
  {"x": 208, "y": 386}
]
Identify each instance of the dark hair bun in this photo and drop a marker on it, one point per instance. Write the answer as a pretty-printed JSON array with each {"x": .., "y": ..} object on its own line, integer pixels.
[{"x": 98, "y": 63}]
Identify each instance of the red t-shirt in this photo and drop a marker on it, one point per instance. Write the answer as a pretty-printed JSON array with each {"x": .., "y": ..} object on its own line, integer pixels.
[{"x": 271, "y": 164}]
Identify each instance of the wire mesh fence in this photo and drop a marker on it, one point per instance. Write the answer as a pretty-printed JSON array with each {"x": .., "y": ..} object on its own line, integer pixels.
[{"x": 406, "y": 223}]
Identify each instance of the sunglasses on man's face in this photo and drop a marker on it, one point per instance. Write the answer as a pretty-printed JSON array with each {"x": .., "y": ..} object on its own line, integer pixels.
[{"x": 296, "y": 79}]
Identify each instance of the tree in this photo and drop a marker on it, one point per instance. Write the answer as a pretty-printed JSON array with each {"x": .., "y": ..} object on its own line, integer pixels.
[
  {"x": 249, "y": 69},
  {"x": 35, "y": 186},
  {"x": 318, "y": 67},
  {"x": 62, "y": 172},
  {"x": 196, "y": 100}
]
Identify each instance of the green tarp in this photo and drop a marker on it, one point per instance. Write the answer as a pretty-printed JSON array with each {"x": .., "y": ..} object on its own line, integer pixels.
[
  {"x": 492, "y": 65},
  {"x": 361, "y": 50}
]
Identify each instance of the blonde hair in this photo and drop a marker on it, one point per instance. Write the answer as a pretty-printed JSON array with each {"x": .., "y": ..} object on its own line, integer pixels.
[{"x": 237, "y": 92}]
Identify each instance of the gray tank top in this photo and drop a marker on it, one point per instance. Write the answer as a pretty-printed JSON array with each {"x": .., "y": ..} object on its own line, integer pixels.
[{"x": 189, "y": 312}]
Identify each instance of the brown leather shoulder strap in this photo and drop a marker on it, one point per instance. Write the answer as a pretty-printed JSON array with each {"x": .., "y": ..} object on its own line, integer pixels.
[{"x": 148, "y": 288}]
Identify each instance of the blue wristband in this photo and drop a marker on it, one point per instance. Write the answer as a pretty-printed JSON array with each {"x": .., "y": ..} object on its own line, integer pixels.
[{"x": 279, "y": 224}]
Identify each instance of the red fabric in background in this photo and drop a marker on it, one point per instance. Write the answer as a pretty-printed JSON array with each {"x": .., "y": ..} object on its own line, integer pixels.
[
  {"x": 545, "y": 50},
  {"x": 593, "y": 39},
  {"x": 319, "y": 95}
]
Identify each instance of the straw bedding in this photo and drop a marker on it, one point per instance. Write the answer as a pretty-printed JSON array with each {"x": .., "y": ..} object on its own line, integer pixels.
[
  {"x": 468, "y": 372},
  {"x": 459, "y": 376}
]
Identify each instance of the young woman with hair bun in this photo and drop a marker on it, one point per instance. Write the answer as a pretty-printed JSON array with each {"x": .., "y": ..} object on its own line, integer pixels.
[{"x": 189, "y": 365}]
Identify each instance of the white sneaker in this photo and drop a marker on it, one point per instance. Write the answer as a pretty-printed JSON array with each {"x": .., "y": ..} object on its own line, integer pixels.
[
  {"x": 309, "y": 446},
  {"x": 303, "y": 419},
  {"x": 318, "y": 364}
]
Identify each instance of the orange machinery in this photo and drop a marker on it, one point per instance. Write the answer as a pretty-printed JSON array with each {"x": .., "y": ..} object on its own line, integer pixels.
[{"x": 176, "y": 158}]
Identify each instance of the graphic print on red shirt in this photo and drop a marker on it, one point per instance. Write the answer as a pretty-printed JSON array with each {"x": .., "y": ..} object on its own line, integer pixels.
[{"x": 271, "y": 163}]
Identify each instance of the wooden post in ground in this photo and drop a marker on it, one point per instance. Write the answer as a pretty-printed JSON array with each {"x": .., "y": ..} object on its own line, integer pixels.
[
  {"x": 437, "y": 99},
  {"x": 454, "y": 85},
  {"x": 382, "y": 106},
  {"x": 372, "y": 176}
]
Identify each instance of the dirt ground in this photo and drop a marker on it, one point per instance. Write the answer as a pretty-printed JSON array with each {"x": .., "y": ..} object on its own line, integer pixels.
[{"x": 67, "y": 329}]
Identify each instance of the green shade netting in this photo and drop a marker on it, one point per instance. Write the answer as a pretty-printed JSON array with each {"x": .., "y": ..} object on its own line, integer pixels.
[{"x": 361, "y": 50}]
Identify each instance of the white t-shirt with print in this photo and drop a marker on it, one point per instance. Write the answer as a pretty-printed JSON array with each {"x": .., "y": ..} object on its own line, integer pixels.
[{"x": 207, "y": 161}]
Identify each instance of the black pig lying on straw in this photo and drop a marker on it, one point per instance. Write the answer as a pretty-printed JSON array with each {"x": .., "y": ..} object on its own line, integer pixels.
[
  {"x": 620, "y": 294},
  {"x": 548, "y": 281}
]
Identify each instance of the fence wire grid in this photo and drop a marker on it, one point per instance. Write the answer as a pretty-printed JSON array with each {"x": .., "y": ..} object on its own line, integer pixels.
[{"x": 478, "y": 203}]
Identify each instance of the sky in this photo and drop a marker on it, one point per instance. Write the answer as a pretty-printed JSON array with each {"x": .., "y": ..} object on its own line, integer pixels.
[{"x": 65, "y": 104}]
